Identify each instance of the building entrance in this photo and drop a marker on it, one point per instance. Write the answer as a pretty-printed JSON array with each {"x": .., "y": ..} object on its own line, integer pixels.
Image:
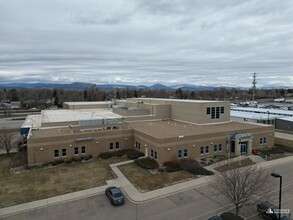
[{"x": 243, "y": 147}]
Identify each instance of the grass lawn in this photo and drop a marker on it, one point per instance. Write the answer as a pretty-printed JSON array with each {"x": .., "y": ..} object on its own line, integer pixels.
[
  {"x": 41, "y": 184},
  {"x": 145, "y": 181}
]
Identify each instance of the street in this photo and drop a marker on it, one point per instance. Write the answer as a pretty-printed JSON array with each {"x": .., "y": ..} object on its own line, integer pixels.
[{"x": 198, "y": 203}]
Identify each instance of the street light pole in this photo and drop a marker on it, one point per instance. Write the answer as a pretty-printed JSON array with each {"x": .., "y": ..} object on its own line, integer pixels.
[{"x": 280, "y": 191}]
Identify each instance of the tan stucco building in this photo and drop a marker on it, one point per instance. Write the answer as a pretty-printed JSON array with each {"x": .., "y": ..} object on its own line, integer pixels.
[{"x": 164, "y": 129}]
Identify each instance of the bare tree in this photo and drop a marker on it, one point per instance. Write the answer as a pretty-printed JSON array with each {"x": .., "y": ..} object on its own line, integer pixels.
[
  {"x": 242, "y": 186},
  {"x": 7, "y": 139}
]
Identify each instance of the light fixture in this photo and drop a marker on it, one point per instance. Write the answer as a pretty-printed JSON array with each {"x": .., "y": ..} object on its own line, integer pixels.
[
  {"x": 169, "y": 149},
  {"x": 97, "y": 142},
  {"x": 70, "y": 145},
  {"x": 41, "y": 149},
  {"x": 193, "y": 146},
  {"x": 126, "y": 139}
]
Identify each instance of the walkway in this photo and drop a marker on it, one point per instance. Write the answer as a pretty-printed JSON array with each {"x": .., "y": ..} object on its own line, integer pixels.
[{"x": 130, "y": 191}]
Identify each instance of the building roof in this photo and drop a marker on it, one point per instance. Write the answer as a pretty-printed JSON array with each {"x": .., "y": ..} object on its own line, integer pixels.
[
  {"x": 253, "y": 115},
  {"x": 287, "y": 119},
  {"x": 171, "y": 129},
  {"x": 32, "y": 121},
  {"x": 64, "y": 115},
  {"x": 179, "y": 100},
  {"x": 88, "y": 103},
  {"x": 264, "y": 110}
]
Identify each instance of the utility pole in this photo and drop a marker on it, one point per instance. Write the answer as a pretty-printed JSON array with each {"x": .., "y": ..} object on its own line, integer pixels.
[{"x": 254, "y": 82}]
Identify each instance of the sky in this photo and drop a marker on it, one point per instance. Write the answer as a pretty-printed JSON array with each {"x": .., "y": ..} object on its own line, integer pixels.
[{"x": 144, "y": 42}]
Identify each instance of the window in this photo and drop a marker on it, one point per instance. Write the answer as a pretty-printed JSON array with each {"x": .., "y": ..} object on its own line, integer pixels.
[
  {"x": 215, "y": 148},
  {"x": 222, "y": 110},
  {"x": 117, "y": 145},
  {"x": 56, "y": 153},
  {"x": 64, "y": 152},
  {"x": 179, "y": 153},
  {"x": 220, "y": 147},
  {"x": 155, "y": 155},
  {"x": 208, "y": 111},
  {"x": 139, "y": 146},
  {"x": 75, "y": 150},
  {"x": 111, "y": 146},
  {"x": 264, "y": 140},
  {"x": 83, "y": 149},
  {"x": 136, "y": 144},
  {"x": 213, "y": 113},
  {"x": 207, "y": 149},
  {"x": 260, "y": 140},
  {"x": 201, "y": 150},
  {"x": 218, "y": 112},
  {"x": 185, "y": 153},
  {"x": 152, "y": 153}
]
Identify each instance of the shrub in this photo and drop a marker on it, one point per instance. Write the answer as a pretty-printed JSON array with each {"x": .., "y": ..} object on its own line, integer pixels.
[
  {"x": 147, "y": 163},
  {"x": 194, "y": 167},
  {"x": 76, "y": 159},
  {"x": 90, "y": 156},
  {"x": 230, "y": 216},
  {"x": 68, "y": 160},
  {"x": 105, "y": 155},
  {"x": 134, "y": 154},
  {"x": 172, "y": 166}
]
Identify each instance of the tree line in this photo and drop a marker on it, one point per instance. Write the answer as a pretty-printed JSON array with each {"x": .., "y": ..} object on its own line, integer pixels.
[{"x": 44, "y": 97}]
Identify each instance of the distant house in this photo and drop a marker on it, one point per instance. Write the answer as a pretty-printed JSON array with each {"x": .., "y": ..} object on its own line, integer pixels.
[
  {"x": 279, "y": 100},
  {"x": 15, "y": 104}
]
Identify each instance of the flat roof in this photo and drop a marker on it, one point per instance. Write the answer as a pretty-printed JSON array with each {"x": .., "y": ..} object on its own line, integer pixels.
[
  {"x": 179, "y": 100},
  {"x": 32, "y": 121},
  {"x": 253, "y": 115},
  {"x": 171, "y": 129},
  {"x": 87, "y": 103},
  {"x": 287, "y": 119},
  {"x": 264, "y": 110},
  {"x": 66, "y": 115}
]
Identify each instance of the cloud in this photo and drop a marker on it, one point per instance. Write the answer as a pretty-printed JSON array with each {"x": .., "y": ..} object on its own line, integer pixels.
[{"x": 144, "y": 42}]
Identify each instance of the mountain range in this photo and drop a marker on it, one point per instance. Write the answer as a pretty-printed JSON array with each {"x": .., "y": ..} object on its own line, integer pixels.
[{"x": 83, "y": 86}]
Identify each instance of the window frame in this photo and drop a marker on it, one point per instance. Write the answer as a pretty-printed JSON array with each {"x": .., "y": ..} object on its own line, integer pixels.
[
  {"x": 56, "y": 150},
  {"x": 117, "y": 145},
  {"x": 83, "y": 150},
  {"x": 179, "y": 152},
  {"x": 111, "y": 146},
  {"x": 185, "y": 152},
  {"x": 74, "y": 151},
  {"x": 220, "y": 148},
  {"x": 62, "y": 152},
  {"x": 201, "y": 150},
  {"x": 207, "y": 150}
]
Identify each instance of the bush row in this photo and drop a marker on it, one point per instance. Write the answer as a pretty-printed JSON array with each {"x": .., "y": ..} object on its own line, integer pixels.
[
  {"x": 189, "y": 165},
  {"x": 72, "y": 159},
  {"x": 147, "y": 163},
  {"x": 130, "y": 153}
]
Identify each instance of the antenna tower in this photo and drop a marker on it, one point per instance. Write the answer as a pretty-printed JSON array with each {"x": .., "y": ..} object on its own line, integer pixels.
[{"x": 254, "y": 82}]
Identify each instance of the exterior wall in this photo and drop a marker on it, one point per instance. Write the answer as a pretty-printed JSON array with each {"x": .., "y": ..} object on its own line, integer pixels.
[
  {"x": 188, "y": 111},
  {"x": 90, "y": 105},
  {"x": 197, "y": 112},
  {"x": 167, "y": 149},
  {"x": 136, "y": 112},
  {"x": 284, "y": 125},
  {"x": 41, "y": 150}
]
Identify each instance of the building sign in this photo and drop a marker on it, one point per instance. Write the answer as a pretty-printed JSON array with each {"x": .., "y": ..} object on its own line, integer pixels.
[
  {"x": 245, "y": 136},
  {"x": 83, "y": 139}
]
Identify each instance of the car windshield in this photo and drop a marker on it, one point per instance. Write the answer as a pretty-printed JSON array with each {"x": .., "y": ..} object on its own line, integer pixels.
[{"x": 117, "y": 195}]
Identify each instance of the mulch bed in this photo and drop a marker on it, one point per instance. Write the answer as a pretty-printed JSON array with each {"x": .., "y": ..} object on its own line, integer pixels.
[
  {"x": 20, "y": 159},
  {"x": 234, "y": 165}
]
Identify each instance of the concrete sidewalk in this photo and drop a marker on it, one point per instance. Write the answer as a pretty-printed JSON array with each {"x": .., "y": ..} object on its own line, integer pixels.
[{"x": 130, "y": 191}]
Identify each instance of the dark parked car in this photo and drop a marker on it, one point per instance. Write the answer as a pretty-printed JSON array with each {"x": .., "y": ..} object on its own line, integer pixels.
[
  {"x": 268, "y": 211},
  {"x": 115, "y": 195}
]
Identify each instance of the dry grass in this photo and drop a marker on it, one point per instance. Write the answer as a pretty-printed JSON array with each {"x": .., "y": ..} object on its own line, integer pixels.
[
  {"x": 234, "y": 165},
  {"x": 145, "y": 181},
  {"x": 41, "y": 184}
]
